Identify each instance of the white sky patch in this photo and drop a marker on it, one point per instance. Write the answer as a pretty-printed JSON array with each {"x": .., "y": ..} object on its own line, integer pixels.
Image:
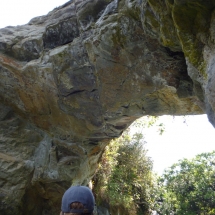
[
  {"x": 20, "y": 12},
  {"x": 179, "y": 140}
]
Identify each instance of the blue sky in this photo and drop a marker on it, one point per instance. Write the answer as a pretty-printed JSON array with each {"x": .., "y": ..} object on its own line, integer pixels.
[{"x": 180, "y": 140}]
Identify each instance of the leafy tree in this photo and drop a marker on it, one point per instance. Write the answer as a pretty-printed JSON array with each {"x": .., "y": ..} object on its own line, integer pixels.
[
  {"x": 188, "y": 187},
  {"x": 124, "y": 178}
]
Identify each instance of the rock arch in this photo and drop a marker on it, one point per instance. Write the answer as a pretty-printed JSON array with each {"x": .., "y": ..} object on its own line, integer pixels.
[{"x": 77, "y": 77}]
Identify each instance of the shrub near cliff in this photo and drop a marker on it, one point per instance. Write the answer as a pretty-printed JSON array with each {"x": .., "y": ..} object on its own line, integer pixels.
[{"x": 124, "y": 178}]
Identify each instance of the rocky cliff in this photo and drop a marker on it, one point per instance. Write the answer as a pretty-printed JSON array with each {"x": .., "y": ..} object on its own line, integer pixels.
[{"x": 74, "y": 79}]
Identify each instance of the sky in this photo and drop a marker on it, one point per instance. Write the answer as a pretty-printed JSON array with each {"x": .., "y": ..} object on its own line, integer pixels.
[
  {"x": 180, "y": 140},
  {"x": 184, "y": 137},
  {"x": 19, "y": 12}
]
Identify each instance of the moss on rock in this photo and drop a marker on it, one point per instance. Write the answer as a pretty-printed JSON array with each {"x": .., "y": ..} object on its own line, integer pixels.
[{"x": 191, "y": 19}]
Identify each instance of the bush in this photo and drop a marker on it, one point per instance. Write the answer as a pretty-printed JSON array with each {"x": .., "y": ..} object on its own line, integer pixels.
[{"x": 124, "y": 178}]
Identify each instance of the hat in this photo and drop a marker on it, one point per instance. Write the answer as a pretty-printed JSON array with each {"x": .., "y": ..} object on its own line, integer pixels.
[{"x": 80, "y": 194}]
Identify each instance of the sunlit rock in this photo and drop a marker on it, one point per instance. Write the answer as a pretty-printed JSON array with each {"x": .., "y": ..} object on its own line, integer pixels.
[{"x": 76, "y": 78}]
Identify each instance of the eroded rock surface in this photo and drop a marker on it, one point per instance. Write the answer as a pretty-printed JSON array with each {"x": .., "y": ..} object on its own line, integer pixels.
[{"x": 74, "y": 79}]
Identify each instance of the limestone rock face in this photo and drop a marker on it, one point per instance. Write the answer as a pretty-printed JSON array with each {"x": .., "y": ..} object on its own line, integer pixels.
[{"x": 74, "y": 79}]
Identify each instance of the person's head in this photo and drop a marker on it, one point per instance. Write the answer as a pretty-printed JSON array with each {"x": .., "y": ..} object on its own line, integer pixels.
[{"x": 78, "y": 200}]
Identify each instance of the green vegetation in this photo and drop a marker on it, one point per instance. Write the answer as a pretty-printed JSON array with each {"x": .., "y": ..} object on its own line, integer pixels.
[
  {"x": 124, "y": 180},
  {"x": 188, "y": 187},
  {"x": 126, "y": 185}
]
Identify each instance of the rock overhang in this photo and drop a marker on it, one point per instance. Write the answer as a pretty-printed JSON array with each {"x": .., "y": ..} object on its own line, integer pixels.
[{"x": 76, "y": 78}]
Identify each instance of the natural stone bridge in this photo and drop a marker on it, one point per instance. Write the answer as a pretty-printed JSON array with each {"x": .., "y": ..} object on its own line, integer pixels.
[{"x": 74, "y": 79}]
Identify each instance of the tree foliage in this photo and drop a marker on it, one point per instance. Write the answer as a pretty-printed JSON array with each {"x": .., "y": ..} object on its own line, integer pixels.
[
  {"x": 124, "y": 178},
  {"x": 188, "y": 187}
]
